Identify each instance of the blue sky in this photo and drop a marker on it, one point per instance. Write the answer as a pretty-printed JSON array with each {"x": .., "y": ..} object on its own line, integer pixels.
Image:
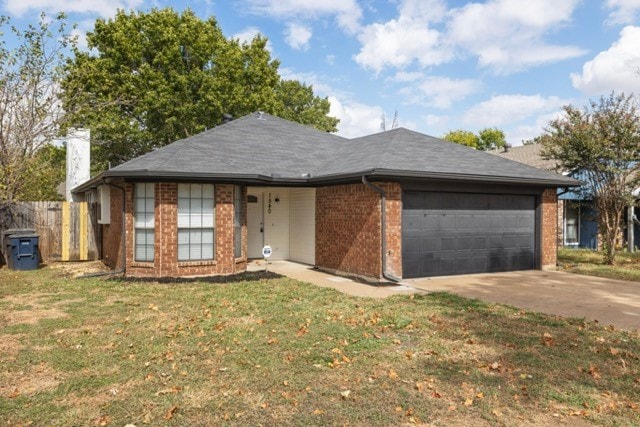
[{"x": 441, "y": 64}]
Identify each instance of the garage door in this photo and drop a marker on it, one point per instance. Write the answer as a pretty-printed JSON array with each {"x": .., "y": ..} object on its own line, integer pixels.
[{"x": 460, "y": 233}]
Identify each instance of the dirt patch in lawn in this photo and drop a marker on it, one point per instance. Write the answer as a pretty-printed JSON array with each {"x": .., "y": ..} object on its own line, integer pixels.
[
  {"x": 10, "y": 345},
  {"x": 28, "y": 309},
  {"x": 77, "y": 269},
  {"x": 35, "y": 379}
]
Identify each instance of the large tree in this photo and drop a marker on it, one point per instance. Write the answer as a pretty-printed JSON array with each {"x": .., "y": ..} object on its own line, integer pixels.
[
  {"x": 30, "y": 110},
  {"x": 486, "y": 139},
  {"x": 150, "y": 78},
  {"x": 600, "y": 143}
]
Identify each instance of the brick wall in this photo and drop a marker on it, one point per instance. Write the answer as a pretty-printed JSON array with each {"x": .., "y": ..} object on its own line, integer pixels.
[
  {"x": 112, "y": 233},
  {"x": 549, "y": 231},
  {"x": 348, "y": 227},
  {"x": 166, "y": 262},
  {"x": 393, "y": 214}
]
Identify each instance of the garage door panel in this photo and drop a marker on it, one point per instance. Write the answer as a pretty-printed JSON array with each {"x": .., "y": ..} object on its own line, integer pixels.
[
  {"x": 465, "y": 243},
  {"x": 467, "y": 233},
  {"x": 465, "y": 222},
  {"x": 447, "y": 244},
  {"x": 447, "y": 222},
  {"x": 479, "y": 242},
  {"x": 412, "y": 247},
  {"x": 430, "y": 221},
  {"x": 430, "y": 244}
]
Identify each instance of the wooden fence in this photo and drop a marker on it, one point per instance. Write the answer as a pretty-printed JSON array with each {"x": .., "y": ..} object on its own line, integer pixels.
[{"x": 69, "y": 231}]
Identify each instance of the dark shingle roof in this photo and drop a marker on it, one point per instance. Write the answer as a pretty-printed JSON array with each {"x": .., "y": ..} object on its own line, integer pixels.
[{"x": 263, "y": 148}]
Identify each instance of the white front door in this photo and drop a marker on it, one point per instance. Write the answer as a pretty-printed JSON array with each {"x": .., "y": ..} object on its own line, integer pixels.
[{"x": 255, "y": 225}]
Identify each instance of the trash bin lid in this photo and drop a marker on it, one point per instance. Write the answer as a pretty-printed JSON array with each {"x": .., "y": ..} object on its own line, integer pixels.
[{"x": 20, "y": 232}]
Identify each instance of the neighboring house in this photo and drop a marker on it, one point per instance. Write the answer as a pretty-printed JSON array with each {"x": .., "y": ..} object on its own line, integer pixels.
[
  {"x": 577, "y": 220},
  {"x": 396, "y": 204}
]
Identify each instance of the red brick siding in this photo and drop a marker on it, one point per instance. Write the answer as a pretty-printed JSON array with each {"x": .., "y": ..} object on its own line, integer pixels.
[
  {"x": 348, "y": 224},
  {"x": 549, "y": 231},
  {"x": 393, "y": 214},
  {"x": 112, "y": 233},
  {"x": 165, "y": 262}
]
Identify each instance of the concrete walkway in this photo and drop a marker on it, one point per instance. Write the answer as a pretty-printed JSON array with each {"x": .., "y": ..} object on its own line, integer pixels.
[
  {"x": 306, "y": 273},
  {"x": 610, "y": 302}
]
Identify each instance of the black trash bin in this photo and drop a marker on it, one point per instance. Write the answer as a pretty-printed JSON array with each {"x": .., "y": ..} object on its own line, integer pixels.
[{"x": 21, "y": 249}]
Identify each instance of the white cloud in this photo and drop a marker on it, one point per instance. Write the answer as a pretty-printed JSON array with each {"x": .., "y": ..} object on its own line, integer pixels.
[
  {"x": 248, "y": 34},
  {"x": 409, "y": 38},
  {"x": 623, "y": 11},
  {"x": 437, "y": 91},
  {"x": 297, "y": 36},
  {"x": 356, "y": 119},
  {"x": 505, "y": 35},
  {"x": 347, "y": 12},
  {"x": 503, "y": 110},
  {"x": 613, "y": 69},
  {"x": 508, "y": 35},
  {"x": 99, "y": 7}
]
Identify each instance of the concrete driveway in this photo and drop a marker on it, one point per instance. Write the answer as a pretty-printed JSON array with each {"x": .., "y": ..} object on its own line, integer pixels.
[{"x": 610, "y": 302}]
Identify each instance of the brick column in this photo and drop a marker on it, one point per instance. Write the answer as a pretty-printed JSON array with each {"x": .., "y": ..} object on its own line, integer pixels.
[
  {"x": 549, "y": 231},
  {"x": 224, "y": 229},
  {"x": 393, "y": 218}
]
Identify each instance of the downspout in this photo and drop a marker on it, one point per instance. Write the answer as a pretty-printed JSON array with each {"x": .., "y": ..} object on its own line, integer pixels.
[
  {"x": 124, "y": 236},
  {"x": 383, "y": 229}
]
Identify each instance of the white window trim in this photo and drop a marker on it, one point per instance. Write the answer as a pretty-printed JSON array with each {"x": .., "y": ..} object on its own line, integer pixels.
[
  {"x": 201, "y": 228},
  {"x": 135, "y": 227},
  {"x": 565, "y": 226}
]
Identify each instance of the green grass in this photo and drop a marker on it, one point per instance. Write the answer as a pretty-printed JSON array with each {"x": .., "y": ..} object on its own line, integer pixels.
[
  {"x": 277, "y": 351},
  {"x": 586, "y": 261}
]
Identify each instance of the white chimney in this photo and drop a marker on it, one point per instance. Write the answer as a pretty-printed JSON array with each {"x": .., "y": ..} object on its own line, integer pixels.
[{"x": 78, "y": 161}]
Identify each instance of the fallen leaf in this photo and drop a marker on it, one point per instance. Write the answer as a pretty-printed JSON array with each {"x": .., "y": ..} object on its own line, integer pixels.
[
  {"x": 494, "y": 366},
  {"x": 170, "y": 412},
  {"x": 345, "y": 394},
  {"x": 393, "y": 374},
  {"x": 318, "y": 412},
  {"x": 614, "y": 351},
  {"x": 468, "y": 402}
]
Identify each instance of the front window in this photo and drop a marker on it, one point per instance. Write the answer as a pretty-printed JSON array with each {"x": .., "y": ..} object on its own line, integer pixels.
[
  {"x": 572, "y": 224},
  {"x": 196, "y": 222},
  {"x": 237, "y": 221},
  {"x": 144, "y": 214}
]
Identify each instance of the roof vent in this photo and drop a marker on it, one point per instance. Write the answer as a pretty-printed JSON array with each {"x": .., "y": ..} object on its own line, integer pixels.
[
  {"x": 305, "y": 175},
  {"x": 261, "y": 115},
  {"x": 226, "y": 118},
  {"x": 506, "y": 147}
]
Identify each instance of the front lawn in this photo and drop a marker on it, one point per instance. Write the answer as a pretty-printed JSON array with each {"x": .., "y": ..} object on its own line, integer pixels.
[
  {"x": 586, "y": 261},
  {"x": 277, "y": 351}
]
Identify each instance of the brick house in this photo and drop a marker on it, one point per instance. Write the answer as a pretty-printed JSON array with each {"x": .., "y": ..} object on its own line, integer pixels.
[{"x": 392, "y": 205}]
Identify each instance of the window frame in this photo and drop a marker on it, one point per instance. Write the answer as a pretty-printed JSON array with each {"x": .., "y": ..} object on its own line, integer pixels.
[
  {"x": 576, "y": 210},
  {"x": 196, "y": 217},
  {"x": 238, "y": 213},
  {"x": 144, "y": 226}
]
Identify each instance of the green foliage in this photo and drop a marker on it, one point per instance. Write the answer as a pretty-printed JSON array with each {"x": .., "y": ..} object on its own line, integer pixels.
[
  {"x": 491, "y": 139},
  {"x": 462, "y": 137},
  {"x": 30, "y": 111},
  {"x": 151, "y": 78},
  {"x": 602, "y": 143},
  {"x": 486, "y": 139},
  {"x": 45, "y": 173}
]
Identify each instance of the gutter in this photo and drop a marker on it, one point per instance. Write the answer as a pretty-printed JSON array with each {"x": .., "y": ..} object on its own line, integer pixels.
[
  {"x": 124, "y": 237},
  {"x": 383, "y": 229}
]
